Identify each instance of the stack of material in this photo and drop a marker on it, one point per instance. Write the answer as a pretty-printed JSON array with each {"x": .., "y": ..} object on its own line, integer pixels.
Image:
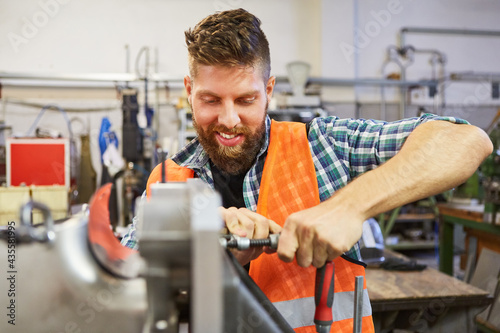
[
  {"x": 11, "y": 200},
  {"x": 54, "y": 197},
  {"x": 13, "y": 197}
]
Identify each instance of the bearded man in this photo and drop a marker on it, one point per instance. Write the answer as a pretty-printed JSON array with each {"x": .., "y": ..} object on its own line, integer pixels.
[{"x": 314, "y": 183}]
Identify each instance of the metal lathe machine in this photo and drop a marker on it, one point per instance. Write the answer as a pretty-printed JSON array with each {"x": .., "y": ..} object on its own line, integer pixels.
[{"x": 74, "y": 276}]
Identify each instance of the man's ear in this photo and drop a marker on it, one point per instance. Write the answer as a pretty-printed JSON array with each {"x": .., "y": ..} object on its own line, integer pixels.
[
  {"x": 270, "y": 88},
  {"x": 189, "y": 87}
]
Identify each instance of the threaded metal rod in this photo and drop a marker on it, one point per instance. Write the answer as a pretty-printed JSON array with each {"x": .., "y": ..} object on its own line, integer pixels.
[
  {"x": 238, "y": 244},
  {"x": 243, "y": 243}
]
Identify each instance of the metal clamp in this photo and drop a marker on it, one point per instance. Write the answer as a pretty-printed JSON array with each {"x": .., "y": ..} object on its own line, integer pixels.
[{"x": 29, "y": 233}]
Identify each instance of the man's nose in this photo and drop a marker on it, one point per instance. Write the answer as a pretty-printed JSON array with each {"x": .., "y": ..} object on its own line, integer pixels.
[{"x": 228, "y": 116}]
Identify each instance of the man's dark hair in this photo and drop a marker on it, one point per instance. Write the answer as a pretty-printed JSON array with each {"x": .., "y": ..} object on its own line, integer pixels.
[{"x": 229, "y": 38}]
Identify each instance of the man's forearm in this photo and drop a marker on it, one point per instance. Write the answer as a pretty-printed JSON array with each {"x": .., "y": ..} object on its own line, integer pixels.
[{"x": 436, "y": 157}]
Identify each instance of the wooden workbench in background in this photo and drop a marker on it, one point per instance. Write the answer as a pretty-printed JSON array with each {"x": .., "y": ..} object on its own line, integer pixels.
[
  {"x": 425, "y": 301},
  {"x": 471, "y": 218},
  {"x": 487, "y": 236}
]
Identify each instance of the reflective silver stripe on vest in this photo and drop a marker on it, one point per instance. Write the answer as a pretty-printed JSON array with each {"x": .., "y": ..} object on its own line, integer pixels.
[{"x": 300, "y": 312}]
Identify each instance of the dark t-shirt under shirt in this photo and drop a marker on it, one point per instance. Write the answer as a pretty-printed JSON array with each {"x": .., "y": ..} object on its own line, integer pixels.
[{"x": 230, "y": 187}]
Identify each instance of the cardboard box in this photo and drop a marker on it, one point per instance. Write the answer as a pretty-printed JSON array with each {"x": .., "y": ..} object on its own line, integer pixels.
[
  {"x": 54, "y": 197},
  {"x": 14, "y": 197},
  {"x": 11, "y": 200}
]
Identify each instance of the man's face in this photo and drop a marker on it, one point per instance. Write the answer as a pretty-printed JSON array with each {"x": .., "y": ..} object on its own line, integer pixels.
[{"x": 229, "y": 108}]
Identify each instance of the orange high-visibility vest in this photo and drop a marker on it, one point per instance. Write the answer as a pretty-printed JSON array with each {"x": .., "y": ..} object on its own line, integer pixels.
[
  {"x": 289, "y": 185},
  {"x": 173, "y": 173}
]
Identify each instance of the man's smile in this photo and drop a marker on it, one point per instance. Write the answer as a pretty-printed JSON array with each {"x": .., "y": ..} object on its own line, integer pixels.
[{"x": 229, "y": 140}]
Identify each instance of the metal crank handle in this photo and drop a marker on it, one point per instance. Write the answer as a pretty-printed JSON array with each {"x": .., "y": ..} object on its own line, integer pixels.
[{"x": 243, "y": 243}]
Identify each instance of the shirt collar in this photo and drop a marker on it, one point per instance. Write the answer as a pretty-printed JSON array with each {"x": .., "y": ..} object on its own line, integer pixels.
[{"x": 265, "y": 145}]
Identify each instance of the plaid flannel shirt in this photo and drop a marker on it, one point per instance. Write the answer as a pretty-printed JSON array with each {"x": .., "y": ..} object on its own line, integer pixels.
[{"x": 341, "y": 150}]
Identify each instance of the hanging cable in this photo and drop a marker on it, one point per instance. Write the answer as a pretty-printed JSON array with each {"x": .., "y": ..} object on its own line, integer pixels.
[{"x": 42, "y": 112}]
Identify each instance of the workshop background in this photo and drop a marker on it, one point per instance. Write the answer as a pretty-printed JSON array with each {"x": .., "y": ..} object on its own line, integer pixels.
[
  {"x": 90, "y": 71},
  {"x": 92, "y": 40}
]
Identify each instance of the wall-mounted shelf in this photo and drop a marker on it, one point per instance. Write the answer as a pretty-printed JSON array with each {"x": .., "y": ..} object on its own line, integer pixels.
[{"x": 410, "y": 229}]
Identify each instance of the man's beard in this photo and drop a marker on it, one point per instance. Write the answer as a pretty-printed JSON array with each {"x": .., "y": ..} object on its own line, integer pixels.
[{"x": 231, "y": 160}]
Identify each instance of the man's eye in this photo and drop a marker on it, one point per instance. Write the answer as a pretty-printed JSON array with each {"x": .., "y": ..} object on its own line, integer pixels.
[
  {"x": 248, "y": 100},
  {"x": 210, "y": 101}
]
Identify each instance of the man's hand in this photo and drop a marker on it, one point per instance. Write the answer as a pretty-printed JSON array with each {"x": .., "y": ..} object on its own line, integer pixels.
[
  {"x": 245, "y": 223},
  {"x": 319, "y": 234}
]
